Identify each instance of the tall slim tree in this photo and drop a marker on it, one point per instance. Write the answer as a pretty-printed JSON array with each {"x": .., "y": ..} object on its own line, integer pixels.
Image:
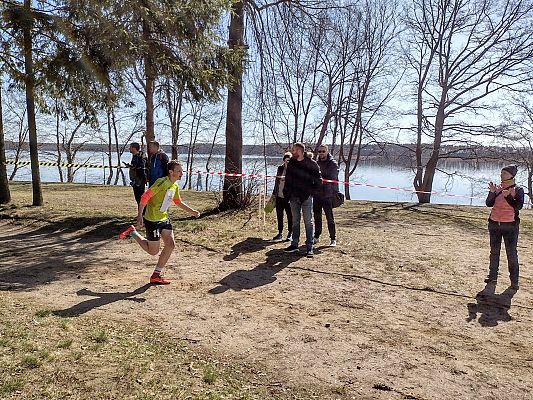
[
  {"x": 231, "y": 197},
  {"x": 29, "y": 80},
  {"x": 5, "y": 194}
]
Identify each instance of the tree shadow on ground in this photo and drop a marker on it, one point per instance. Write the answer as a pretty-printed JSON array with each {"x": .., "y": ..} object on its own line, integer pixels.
[
  {"x": 247, "y": 246},
  {"x": 491, "y": 307},
  {"x": 263, "y": 274},
  {"x": 469, "y": 222},
  {"x": 380, "y": 212},
  {"x": 383, "y": 212},
  {"x": 89, "y": 229},
  {"x": 32, "y": 256},
  {"x": 101, "y": 299}
]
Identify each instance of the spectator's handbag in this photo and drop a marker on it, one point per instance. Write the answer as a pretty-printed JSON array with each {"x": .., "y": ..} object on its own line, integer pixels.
[
  {"x": 338, "y": 200},
  {"x": 270, "y": 205}
]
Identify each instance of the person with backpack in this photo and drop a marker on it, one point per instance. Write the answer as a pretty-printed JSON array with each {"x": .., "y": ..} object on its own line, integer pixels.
[
  {"x": 157, "y": 160},
  {"x": 506, "y": 201},
  {"x": 282, "y": 203},
  {"x": 302, "y": 181},
  {"x": 323, "y": 200},
  {"x": 138, "y": 171}
]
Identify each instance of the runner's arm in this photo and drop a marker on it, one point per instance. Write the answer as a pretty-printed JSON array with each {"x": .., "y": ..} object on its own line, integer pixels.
[{"x": 185, "y": 207}]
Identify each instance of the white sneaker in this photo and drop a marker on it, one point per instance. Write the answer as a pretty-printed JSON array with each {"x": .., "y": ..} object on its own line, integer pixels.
[{"x": 333, "y": 243}]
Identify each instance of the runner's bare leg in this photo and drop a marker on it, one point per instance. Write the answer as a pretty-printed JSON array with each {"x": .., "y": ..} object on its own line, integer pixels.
[
  {"x": 150, "y": 246},
  {"x": 168, "y": 240}
]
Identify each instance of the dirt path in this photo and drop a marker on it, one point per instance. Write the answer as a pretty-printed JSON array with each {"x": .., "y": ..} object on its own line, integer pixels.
[{"x": 390, "y": 313}]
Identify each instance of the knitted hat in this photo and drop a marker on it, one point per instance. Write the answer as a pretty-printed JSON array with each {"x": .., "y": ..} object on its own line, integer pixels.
[{"x": 512, "y": 169}]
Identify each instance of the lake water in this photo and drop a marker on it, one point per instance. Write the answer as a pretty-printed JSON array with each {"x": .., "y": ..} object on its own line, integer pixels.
[{"x": 466, "y": 180}]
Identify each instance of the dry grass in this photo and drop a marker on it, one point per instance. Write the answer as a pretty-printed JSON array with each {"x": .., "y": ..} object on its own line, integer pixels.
[{"x": 46, "y": 356}]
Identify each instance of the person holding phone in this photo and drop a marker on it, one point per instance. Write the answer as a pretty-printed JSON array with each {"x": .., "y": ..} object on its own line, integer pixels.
[{"x": 506, "y": 200}]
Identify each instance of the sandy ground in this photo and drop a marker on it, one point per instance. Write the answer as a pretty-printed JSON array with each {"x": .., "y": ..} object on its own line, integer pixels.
[{"x": 393, "y": 312}]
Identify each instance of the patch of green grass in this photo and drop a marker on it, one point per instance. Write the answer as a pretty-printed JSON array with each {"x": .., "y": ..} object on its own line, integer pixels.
[
  {"x": 65, "y": 325},
  {"x": 210, "y": 374},
  {"x": 11, "y": 386},
  {"x": 36, "y": 359},
  {"x": 31, "y": 361},
  {"x": 43, "y": 313},
  {"x": 65, "y": 344},
  {"x": 100, "y": 336}
]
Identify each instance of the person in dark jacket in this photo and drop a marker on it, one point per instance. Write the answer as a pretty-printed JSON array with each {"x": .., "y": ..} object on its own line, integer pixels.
[
  {"x": 302, "y": 181},
  {"x": 138, "y": 171},
  {"x": 157, "y": 160},
  {"x": 282, "y": 204},
  {"x": 323, "y": 200},
  {"x": 506, "y": 200}
]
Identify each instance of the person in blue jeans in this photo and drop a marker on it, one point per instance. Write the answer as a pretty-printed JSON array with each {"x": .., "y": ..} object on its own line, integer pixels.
[
  {"x": 157, "y": 163},
  {"x": 302, "y": 180}
]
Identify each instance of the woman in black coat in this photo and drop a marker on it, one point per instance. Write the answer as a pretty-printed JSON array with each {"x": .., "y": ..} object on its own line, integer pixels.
[{"x": 282, "y": 204}]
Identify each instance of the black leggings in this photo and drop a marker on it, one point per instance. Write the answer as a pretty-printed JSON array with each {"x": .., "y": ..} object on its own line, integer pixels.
[
  {"x": 138, "y": 191},
  {"x": 325, "y": 204},
  {"x": 508, "y": 231},
  {"x": 282, "y": 205}
]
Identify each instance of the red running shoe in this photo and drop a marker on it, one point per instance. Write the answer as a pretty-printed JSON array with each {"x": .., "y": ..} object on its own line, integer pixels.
[
  {"x": 126, "y": 233},
  {"x": 159, "y": 280}
]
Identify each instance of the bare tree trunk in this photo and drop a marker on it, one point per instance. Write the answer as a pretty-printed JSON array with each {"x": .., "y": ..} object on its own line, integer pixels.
[
  {"x": 530, "y": 183},
  {"x": 174, "y": 108},
  {"x": 109, "y": 148},
  {"x": 120, "y": 172},
  {"x": 431, "y": 166},
  {"x": 149, "y": 75},
  {"x": 30, "y": 104},
  {"x": 22, "y": 138},
  {"x": 5, "y": 194},
  {"x": 16, "y": 160},
  {"x": 58, "y": 148},
  {"x": 346, "y": 178},
  {"x": 70, "y": 170},
  {"x": 232, "y": 193}
]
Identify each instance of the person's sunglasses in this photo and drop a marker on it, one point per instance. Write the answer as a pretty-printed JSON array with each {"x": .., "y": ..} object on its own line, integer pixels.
[{"x": 322, "y": 151}]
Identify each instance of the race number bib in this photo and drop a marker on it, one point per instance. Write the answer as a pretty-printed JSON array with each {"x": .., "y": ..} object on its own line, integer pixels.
[{"x": 167, "y": 201}]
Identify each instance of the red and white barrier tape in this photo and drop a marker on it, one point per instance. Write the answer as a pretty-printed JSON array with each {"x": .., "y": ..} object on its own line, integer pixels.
[
  {"x": 260, "y": 176},
  {"x": 347, "y": 183}
]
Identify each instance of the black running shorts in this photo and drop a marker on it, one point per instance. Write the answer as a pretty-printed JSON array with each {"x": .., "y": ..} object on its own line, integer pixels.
[{"x": 153, "y": 229}]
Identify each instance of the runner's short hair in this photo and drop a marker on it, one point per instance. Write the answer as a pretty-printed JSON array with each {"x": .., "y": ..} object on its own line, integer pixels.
[
  {"x": 136, "y": 146},
  {"x": 325, "y": 146},
  {"x": 153, "y": 142},
  {"x": 172, "y": 164}
]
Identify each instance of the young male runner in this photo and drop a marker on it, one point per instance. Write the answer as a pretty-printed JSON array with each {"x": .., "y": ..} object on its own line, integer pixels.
[{"x": 157, "y": 200}]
